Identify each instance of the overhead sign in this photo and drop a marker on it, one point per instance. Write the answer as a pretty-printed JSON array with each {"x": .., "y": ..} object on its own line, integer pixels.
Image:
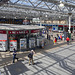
[
  {"x": 55, "y": 27},
  {"x": 66, "y": 25},
  {"x": 18, "y": 32},
  {"x": 26, "y": 22},
  {"x": 35, "y": 31},
  {"x": 2, "y": 32},
  {"x": 60, "y": 25}
]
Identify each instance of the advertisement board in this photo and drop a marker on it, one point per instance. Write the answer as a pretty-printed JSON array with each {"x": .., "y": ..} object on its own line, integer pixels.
[
  {"x": 31, "y": 42},
  {"x": 3, "y": 36},
  {"x": 55, "y": 27},
  {"x": 40, "y": 41},
  {"x": 26, "y": 22},
  {"x": 3, "y": 45},
  {"x": 13, "y": 44},
  {"x": 3, "y": 41},
  {"x": 23, "y": 43}
]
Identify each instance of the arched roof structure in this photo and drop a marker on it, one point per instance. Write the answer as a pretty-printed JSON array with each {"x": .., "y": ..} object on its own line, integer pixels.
[{"x": 37, "y": 8}]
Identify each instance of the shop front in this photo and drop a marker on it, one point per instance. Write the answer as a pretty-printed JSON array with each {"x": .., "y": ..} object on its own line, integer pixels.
[
  {"x": 33, "y": 38},
  {"x": 16, "y": 38},
  {"x": 19, "y": 37}
]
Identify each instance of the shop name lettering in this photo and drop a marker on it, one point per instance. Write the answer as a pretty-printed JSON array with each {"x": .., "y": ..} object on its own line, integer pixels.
[
  {"x": 36, "y": 31},
  {"x": 18, "y": 32},
  {"x": 13, "y": 32}
]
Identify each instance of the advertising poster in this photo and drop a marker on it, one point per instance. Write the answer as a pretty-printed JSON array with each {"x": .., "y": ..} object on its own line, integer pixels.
[
  {"x": 31, "y": 42},
  {"x": 23, "y": 43},
  {"x": 55, "y": 28},
  {"x": 40, "y": 41},
  {"x": 3, "y": 45},
  {"x": 3, "y": 36},
  {"x": 13, "y": 44},
  {"x": 3, "y": 41},
  {"x": 26, "y": 22}
]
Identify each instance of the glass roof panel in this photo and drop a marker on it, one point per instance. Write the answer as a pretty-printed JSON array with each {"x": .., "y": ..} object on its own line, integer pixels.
[
  {"x": 26, "y": 2},
  {"x": 71, "y": 2},
  {"x": 43, "y": 5},
  {"x": 13, "y": 1},
  {"x": 23, "y": 3}
]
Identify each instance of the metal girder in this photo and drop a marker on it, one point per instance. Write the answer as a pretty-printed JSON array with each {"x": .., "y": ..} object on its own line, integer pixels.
[
  {"x": 24, "y": 9},
  {"x": 58, "y": 2},
  {"x": 49, "y": 7},
  {"x": 31, "y": 3},
  {"x": 17, "y": 9}
]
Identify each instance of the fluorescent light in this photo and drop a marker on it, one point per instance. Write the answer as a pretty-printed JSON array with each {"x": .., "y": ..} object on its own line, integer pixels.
[
  {"x": 61, "y": 5},
  {"x": 46, "y": 16}
]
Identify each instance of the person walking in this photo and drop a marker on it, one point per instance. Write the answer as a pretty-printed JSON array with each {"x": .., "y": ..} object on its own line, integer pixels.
[
  {"x": 67, "y": 39},
  {"x": 30, "y": 56},
  {"x": 49, "y": 37},
  {"x": 60, "y": 36},
  {"x": 14, "y": 56},
  {"x": 55, "y": 40}
]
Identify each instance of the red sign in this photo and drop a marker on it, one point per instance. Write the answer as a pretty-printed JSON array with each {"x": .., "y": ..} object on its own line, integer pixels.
[
  {"x": 2, "y": 32},
  {"x": 3, "y": 40},
  {"x": 13, "y": 40},
  {"x": 65, "y": 25},
  {"x": 71, "y": 26},
  {"x": 34, "y": 31},
  {"x": 60, "y": 25},
  {"x": 18, "y": 32},
  {"x": 27, "y": 31}
]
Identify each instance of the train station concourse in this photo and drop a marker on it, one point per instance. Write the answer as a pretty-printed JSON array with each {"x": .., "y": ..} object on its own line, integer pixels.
[{"x": 37, "y": 37}]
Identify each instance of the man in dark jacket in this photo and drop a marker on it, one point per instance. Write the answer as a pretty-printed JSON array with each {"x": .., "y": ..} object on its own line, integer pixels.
[{"x": 14, "y": 56}]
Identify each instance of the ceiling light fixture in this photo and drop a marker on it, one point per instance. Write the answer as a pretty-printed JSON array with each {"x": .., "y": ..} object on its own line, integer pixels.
[
  {"x": 46, "y": 16},
  {"x": 61, "y": 4}
]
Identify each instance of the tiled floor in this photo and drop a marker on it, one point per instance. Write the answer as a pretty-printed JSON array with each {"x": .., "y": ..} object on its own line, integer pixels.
[{"x": 52, "y": 60}]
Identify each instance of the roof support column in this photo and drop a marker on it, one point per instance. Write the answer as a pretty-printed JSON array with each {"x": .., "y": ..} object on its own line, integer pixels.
[
  {"x": 69, "y": 22},
  {"x": 40, "y": 20}
]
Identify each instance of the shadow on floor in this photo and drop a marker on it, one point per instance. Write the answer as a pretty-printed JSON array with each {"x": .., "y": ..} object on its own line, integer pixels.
[{"x": 15, "y": 69}]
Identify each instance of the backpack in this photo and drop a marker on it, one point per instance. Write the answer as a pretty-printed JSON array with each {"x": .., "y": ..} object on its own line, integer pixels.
[{"x": 29, "y": 55}]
